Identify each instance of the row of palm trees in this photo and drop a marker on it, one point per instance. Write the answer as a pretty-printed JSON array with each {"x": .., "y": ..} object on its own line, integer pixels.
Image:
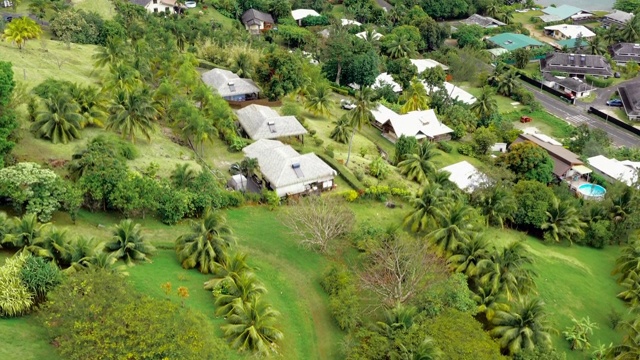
[
  {"x": 27, "y": 234},
  {"x": 251, "y": 321}
]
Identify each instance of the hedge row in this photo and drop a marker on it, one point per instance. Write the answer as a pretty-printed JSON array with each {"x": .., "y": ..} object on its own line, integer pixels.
[
  {"x": 599, "y": 82},
  {"x": 344, "y": 172}
]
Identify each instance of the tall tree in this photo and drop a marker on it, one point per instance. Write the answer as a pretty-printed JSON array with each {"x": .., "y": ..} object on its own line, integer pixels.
[
  {"x": 279, "y": 73},
  {"x": 528, "y": 161},
  {"x": 18, "y": 31},
  {"x": 508, "y": 272},
  {"x": 361, "y": 115},
  {"x": 485, "y": 105},
  {"x": 455, "y": 226},
  {"x": 563, "y": 222},
  {"x": 342, "y": 131},
  {"x": 92, "y": 104},
  {"x": 415, "y": 97},
  {"x": 114, "y": 52},
  {"x": 319, "y": 99},
  {"x": 428, "y": 205},
  {"x": 60, "y": 121},
  {"x": 8, "y": 121},
  {"x": 132, "y": 113},
  {"x": 419, "y": 165}
]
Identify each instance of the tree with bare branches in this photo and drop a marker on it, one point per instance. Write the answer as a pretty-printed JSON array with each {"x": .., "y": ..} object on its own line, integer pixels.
[
  {"x": 316, "y": 221},
  {"x": 400, "y": 267}
]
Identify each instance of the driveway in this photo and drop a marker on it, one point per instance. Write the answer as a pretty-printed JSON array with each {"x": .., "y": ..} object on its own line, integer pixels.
[
  {"x": 605, "y": 94},
  {"x": 577, "y": 115}
]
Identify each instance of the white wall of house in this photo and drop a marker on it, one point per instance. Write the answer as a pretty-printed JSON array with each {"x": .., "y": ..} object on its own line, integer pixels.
[{"x": 158, "y": 6}]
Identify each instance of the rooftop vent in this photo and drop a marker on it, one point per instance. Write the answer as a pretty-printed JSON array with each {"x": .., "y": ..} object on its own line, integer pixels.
[
  {"x": 297, "y": 170},
  {"x": 583, "y": 60},
  {"x": 272, "y": 126},
  {"x": 636, "y": 46},
  {"x": 572, "y": 57},
  {"x": 508, "y": 42},
  {"x": 232, "y": 86}
]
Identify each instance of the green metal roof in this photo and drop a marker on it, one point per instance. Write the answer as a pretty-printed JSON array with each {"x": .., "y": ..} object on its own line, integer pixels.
[
  {"x": 571, "y": 43},
  {"x": 511, "y": 41},
  {"x": 562, "y": 11}
]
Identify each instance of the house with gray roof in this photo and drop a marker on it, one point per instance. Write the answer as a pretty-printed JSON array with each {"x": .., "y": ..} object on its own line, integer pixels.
[
  {"x": 570, "y": 85},
  {"x": 288, "y": 172},
  {"x": 230, "y": 86},
  {"x": 262, "y": 122},
  {"x": 485, "y": 22},
  {"x": 617, "y": 18},
  {"x": 257, "y": 21},
  {"x": 565, "y": 12},
  {"x": 630, "y": 96},
  {"x": 577, "y": 65},
  {"x": 622, "y": 53},
  {"x": 159, "y": 6},
  {"x": 384, "y": 5}
]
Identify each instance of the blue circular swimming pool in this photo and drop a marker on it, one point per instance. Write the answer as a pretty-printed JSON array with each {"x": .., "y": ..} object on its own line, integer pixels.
[{"x": 592, "y": 190}]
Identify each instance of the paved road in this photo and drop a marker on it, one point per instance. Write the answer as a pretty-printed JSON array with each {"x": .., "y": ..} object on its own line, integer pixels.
[{"x": 576, "y": 115}]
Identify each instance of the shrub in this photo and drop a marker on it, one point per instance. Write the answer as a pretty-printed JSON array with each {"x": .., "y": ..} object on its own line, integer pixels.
[
  {"x": 379, "y": 168},
  {"x": 344, "y": 173},
  {"x": 379, "y": 192},
  {"x": 271, "y": 198},
  {"x": 359, "y": 174},
  {"x": 445, "y": 146},
  {"x": 343, "y": 302},
  {"x": 237, "y": 143},
  {"x": 598, "y": 81},
  {"x": 318, "y": 141},
  {"x": 465, "y": 149},
  {"x": 15, "y": 298},
  {"x": 350, "y": 195},
  {"x": 40, "y": 276},
  {"x": 329, "y": 151},
  {"x": 315, "y": 21},
  {"x": 174, "y": 205}
]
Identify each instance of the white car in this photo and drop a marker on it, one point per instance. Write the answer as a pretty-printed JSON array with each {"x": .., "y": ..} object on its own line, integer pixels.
[
  {"x": 190, "y": 4},
  {"x": 347, "y": 104}
]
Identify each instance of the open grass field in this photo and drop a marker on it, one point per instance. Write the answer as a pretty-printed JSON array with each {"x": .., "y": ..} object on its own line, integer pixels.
[
  {"x": 505, "y": 104},
  {"x": 104, "y": 8},
  {"x": 573, "y": 281},
  {"x": 543, "y": 121}
]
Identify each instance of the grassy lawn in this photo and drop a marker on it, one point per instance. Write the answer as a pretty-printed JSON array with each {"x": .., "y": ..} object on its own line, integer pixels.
[
  {"x": 525, "y": 18},
  {"x": 34, "y": 64},
  {"x": 24, "y": 338},
  {"x": 211, "y": 14},
  {"x": 504, "y": 103},
  {"x": 543, "y": 121},
  {"x": 573, "y": 281},
  {"x": 104, "y": 8}
]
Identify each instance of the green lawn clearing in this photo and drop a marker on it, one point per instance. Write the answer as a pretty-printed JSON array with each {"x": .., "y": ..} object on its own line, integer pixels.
[
  {"x": 525, "y": 18},
  {"x": 505, "y": 104},
  {"x": 543, "y": 121},
  {"x": 573, "y": 281},
  {"x": 104, "y": 8},
  {"x": 25, "y": 339}
]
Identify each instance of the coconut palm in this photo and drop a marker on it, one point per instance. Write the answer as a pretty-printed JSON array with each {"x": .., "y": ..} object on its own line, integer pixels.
[
  {"x": 343, "y": 129},
  {"x": 182, "y": 176},
  {"x": 132, "y": 113},
  {"x": 206, "y": 246},
  {"x": 489, "y": 300},
  {"x": 60, "y": 120},
  {"x": 112, "y": 53},
  {"x": 415, "y": 97},
  {"x": 611, "y": 35},
  {"x": 508, "y": 271},
  {"x": 631, "y": 292},
  {"x": 236, "y": 266},
  {"x": 498, "y": 206},
  {"x": 399, "y": 318},
  {"x": 465, "y": 260},
  {"x": 523, "y": 328},
  {"x": 252, "y": 327},
  {"x": 242, "y": 64},
  {"x": 427, "y": 350},
  {"x": 121, "y": 77},
  {"x": 419, "y": 165},
  {"x": 238, "y": 289},
  {"x": 401, "y": 46},
  {"x": 563, "y": 222},
  {"x": 628, "y": 261},
  {"x": 18, "y": 31},
  {"x": 506, "y": 16},
  {"x": 128, "y": 243},
  {"x": 630, "y": 347},
  {"x": 23, "y": 232},
  {"x": 57, "y": 246},
  {"x": 92, "y": 105},
  {"x": 454, "y": 227},
  {"x": 361, "y": 115},
  {"x": 486, "y": 105},
  {"x": 197, "y": 129},
  {"x": 428, "y": 205},
  {"x": 630, "y": 31},
  {"x": 249, "y": 167},
  {"x": 319, "y": 99},
  {"x": 493, "y": 9},
  {"x": 597, "y": 46},
  {"x": 507, "y": 83}
]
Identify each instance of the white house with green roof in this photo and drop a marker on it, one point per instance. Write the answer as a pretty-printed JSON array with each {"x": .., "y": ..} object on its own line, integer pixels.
[
  {"x": 564, "y": 12},
  {"x": 511, "y": 41}
]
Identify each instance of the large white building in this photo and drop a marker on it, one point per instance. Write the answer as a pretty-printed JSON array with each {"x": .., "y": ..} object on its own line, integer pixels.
[{"x": 615, "y": 170}]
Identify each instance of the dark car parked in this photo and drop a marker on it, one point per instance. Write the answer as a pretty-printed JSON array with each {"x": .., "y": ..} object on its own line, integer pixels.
[{"x": 615, "y": 102}]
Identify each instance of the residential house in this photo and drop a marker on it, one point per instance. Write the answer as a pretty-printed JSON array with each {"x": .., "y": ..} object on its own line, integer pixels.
[
  {"x": 511, "y": 41},
  {"x": 288, "y": 172},
  {"x": 630, "y": 96},
  {"x": 454, "y": 93},
  {"x": 384, "y": 5},
  {"x": 565, "y": 163},
  {"x": 613, "y": 170},
  {"x": 482, "y": 21},
  {"x": 622, "y": 53},
  {"x": 496, "y": 52},
  {"x": 564, "y": 31},
  {"x": 617, "y": 18},
  {"x": 575, "y": 65},
  {"x": 6, "y": 3},
  {"x": 230, "y": 86},
  {"x": 257, "y": 21},
  {"x": 347, "y": 22},
  {"x": 158, "y": 6},
  {"x": 570, "y": 85},
  {"x": 374, "y": 35},
  {"x": 570, "y": 44},
  {"x": 300, "y": 14},
  {"x": 422, "y": 124},
  {"x": 424, "y": 64},
  {"x": 262, "y": 122},
  {"x": 564, "y": 12},
  {"x": 386, "y": 78},
  {"x": 465, "y": 176}
]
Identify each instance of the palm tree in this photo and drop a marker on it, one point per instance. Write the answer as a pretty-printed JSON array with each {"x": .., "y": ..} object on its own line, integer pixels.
[
  {"x": 428, "y": 205},
  {"x": 361, "y": 115},
  {"x": 455, "y": 226},
  {"x": 39, "y": 7},
  {"x": 57, "y": 246},
  {"x": 399, "y": 318},
  {"x": 493, "y": 9},
  {"x": 23, "y": 232},
  {"x": 60, "y": 120},
  {"x": 506, "y": 16},
  {"x": 122, "y": 78},
  {"x": 465, "y": 260},
  {"x": 611, "y": 35},
  {"x": 400, "y": 47},
  {"x": 486, "y": 105},
  {"x": 197, "y": 129},
  {"x": 597, "y": 46},
  {"x": 489, "y": 300},
  {"x": 415, "y": 97},
  {"x": 249, "y": 167},
  {"x": 132, "y": 113},
  {"x": 631, "y": 292},
  {"x": 507, "y": 271},
  {"x": 523, "y": 328},
  {"x": 498, "y": 206},
  {"x": 252, "y": 327},
  {"x": 128, "y": 243},
  {"x": 236, "y": 266},
  {"x": 112, "y": 53},
  {"x": 18, "y": 31},
  {"x": 441, "y": 177},
  {"x": 628, "y": 261},
  {"x": 92, "y": 105},
  {"x": 507, "y": 83},
  {"x": 630, "y": 347},
  {"x": 242, "y": 64},
  {"x": 427, "y": 350},
  {"x": 419, "y": 165},
  {"x": 319, "y": 99},
  {"x": 563, "y": 222},
  {"x": 343, "y": 129},
  {"x": 182, "y": 176},
  {"x": 630, "y": 31},
  {"x": 238, "y": 290},
  {"x": 206, "y": 246}
]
